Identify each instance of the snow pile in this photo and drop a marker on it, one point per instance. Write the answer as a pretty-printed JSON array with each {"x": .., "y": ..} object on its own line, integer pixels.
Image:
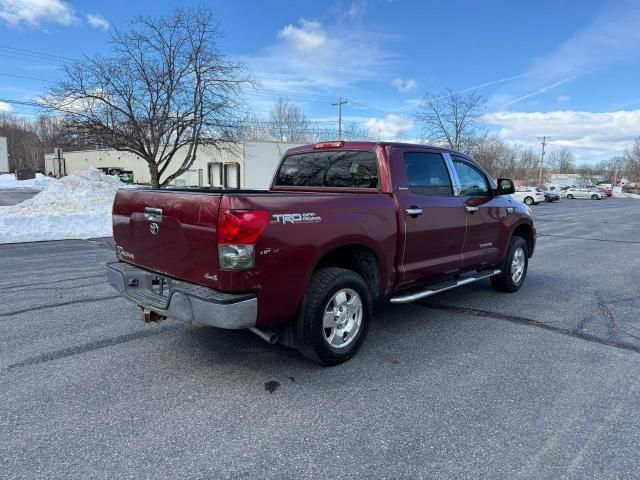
[
  {"x": 77, "y": 206},
  {"x": 626, "y": 195},
  {"x": 8, "y": 180}
]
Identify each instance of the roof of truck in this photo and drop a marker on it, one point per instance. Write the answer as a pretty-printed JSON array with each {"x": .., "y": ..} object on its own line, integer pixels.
[{"x": 362, "y": 146}]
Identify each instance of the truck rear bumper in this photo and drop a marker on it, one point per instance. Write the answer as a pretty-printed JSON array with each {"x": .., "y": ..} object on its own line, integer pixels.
[{"x": 183, "y": 300}]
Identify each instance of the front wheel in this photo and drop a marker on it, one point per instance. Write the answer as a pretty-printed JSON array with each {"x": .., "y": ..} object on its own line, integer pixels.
[
  {"x": 514, "y": 267},
  {"x": 336, "y": 316},
  {"x": 569, "y": 196},
  {"x": 528, "y": 201},
  {"x": 594, "y": 197}
]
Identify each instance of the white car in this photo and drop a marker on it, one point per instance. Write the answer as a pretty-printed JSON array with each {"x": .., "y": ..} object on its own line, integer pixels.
[
  {"x": 591, "y": 193},
  {"x": 528, "y": 195}
]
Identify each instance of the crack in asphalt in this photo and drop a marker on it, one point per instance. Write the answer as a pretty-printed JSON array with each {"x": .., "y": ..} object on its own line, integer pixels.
[
  {"x": 590, "y": 239},
  {"x": 61, "y": 304},
  {"x": 91, "y": 346},
  {"x": 575, "y": 333},
  {"x": 6, "y": 287}
]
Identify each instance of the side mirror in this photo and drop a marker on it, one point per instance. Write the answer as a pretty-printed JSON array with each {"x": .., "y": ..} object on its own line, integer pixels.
[{"x": 506, "y": 186}]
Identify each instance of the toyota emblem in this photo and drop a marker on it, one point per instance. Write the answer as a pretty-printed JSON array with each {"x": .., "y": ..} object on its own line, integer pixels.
[{"x": 154, "y": 228}]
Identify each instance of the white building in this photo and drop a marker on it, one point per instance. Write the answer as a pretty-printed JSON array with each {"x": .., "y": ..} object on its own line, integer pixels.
[
  {"x": 4, "y": 156},
  {"x": 245, "y": 164}
]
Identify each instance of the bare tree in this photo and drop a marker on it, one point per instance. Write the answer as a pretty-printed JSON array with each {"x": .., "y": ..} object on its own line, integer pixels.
[
  {"x": 632, "y": 157},
  {"x": 24, "y": 146},
  {"x": 163, "y": 89},
  {"x": 562, "y": 160},
  {"x": 355, "y": 132},
  {"x": 451, "y": 119},
  {"x": 254, "y": 128},
  {"x": 288, "y": 122}
]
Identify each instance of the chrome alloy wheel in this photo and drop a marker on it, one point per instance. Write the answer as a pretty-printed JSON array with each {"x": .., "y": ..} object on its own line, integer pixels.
[
  {"x": 517, "y": 265},
  {"x": 342, "y": 318}
]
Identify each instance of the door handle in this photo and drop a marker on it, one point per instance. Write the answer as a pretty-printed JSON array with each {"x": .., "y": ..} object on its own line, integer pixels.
[
  {"x": 471, "y": 209},
  {"x": 153, "y": 214},
  {"x": 413, "y": 211}
]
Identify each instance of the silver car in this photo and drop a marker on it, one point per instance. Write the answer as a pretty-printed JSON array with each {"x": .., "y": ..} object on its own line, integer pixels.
[{"x": 591, "y": 193}]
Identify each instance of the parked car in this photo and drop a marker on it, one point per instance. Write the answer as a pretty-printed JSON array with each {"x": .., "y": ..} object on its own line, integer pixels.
[
  {"x": 548, "y": 195},
  {"x": 343, "y": 224},
  {"x": 592, "y": 193},
  {"x": 528, "y": 195},
  {"x": 607, "y": 191}
]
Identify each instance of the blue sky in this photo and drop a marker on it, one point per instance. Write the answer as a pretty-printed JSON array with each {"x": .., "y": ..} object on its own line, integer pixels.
[{"x": 563, "y": 68}]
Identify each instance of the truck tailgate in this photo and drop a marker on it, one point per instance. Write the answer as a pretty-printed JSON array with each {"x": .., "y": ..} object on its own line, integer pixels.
[{"x": 169, "y": 232}]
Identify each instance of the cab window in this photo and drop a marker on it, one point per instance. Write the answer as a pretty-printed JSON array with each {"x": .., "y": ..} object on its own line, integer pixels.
[
  {"x": 427, "y": 173},
  {"x": 473, "y": 182}
]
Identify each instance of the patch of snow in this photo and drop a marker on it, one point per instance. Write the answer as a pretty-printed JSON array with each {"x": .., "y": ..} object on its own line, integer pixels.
[
  {"x": 77, "y": 206},
  {"x": 626, "y": 195},
  {"x": 8, "y": 180}
]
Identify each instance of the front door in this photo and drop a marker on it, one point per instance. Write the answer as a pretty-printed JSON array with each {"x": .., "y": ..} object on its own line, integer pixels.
[
  {"x": 432, "y": 217},
  {"x": 486, "y": 214}
]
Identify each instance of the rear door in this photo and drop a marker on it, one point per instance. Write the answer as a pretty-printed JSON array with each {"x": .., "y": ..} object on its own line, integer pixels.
[
  {"x": 485, "y": 212},
  {"x": 432, "y": 217},
  {"x": 169, "y": 232}
]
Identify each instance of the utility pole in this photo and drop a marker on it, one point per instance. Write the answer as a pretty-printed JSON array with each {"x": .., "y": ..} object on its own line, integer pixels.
[
  {"x": 339, "y": 105},
  {"x": 543, "y": 143}
]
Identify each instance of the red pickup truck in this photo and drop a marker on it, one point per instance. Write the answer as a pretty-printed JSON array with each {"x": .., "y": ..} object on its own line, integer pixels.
[{"x": 344, "y": 224}]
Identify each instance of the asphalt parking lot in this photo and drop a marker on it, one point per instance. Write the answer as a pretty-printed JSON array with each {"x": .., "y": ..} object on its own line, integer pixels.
[{"x": 469, "y": 384}]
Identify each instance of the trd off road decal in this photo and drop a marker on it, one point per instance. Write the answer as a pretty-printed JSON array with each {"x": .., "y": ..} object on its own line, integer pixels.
[{"x": 308, "y": 217}]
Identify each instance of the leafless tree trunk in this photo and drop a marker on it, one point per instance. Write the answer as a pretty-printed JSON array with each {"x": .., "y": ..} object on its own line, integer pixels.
[
  {"x": 163, "y": 92},
  {"x": 451, "y": 119}
]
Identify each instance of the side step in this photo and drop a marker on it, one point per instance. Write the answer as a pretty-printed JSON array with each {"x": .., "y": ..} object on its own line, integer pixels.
[{"x": 443, "y": 287}]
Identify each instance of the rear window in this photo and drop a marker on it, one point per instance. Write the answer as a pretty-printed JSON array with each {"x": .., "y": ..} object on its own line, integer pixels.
[{"x": 334, "y": 168}]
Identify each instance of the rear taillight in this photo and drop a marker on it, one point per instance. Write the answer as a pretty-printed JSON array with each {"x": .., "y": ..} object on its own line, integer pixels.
[{"x": 238, "y": 230}]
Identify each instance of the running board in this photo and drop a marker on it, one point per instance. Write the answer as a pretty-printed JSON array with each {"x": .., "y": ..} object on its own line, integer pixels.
[{"x": 443, "y": 287}]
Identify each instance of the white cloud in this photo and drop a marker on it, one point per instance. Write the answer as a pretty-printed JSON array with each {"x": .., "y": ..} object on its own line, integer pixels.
[
  {"x": 390, "y": 127},
  {"x": 591, "y": 135},
  {"x": 307, "y": 37},
  {"x": 34, "y": 12},
  {"x": 404, "y": 85},
  {"x": 563, "y": 98},
  {"x": 317, "y": 59},
  {"x": 5, "y": 107},
  {"x": 98, "y": 21}
]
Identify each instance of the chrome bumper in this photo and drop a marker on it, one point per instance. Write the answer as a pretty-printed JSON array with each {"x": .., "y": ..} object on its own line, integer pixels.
[{"x": 183, "y": 300}]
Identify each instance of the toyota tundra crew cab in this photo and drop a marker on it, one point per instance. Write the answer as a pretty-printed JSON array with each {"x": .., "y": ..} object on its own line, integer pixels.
[{"x": 343, "y": 226}]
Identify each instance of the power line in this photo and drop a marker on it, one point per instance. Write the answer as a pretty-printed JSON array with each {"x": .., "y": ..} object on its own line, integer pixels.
[
  {"x": 25, "y": 77},
  {"x": 24, "y": 51}
]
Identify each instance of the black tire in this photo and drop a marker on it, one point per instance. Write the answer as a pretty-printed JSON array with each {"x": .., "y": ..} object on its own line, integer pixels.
[
  {"x": 548, "y": 199},
  {"x": 569, "y": 196},
  {"x": 594, "y": 197},
  {"x": 325, "y": 283},
  {"x": 504, "y": 282},
  {"x": 528, "y": 201}
]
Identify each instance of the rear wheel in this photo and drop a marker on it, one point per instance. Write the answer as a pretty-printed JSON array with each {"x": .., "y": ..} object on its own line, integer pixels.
[
  {"x": 528, "y": 201},
  {"x": 336, "y": 315},
  {"x": 514, "y": 267},
  {"x": 569, "y": 196},
  {"x": 547, "y": 199}
]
